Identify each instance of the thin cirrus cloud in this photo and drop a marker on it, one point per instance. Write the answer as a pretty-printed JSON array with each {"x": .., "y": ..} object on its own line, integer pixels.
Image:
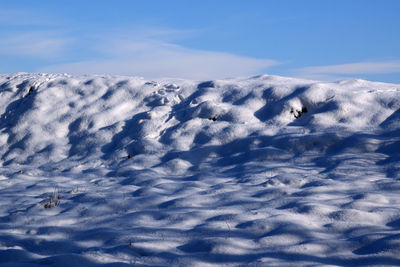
[
  {"x": 38, "y": 45},
  {"x": 358, "y": 68},
  {"x": 158, "y": 59},
  {"x": 146, "y": 52},
  {"x": 16, "y": 40}
]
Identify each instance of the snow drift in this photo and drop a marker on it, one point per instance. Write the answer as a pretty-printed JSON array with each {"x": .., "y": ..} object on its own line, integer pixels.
[{"x": 261, "y": 171}]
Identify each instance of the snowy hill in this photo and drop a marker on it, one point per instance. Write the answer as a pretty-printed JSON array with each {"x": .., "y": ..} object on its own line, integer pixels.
[{"x": 261, "y": 171}]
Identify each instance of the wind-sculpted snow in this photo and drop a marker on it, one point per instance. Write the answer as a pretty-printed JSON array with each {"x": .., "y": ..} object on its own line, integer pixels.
[{"x": 261, "y": 171}]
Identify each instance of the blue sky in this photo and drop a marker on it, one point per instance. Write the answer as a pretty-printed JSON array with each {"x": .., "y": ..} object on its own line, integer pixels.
[{"x": 322, "y": 39}]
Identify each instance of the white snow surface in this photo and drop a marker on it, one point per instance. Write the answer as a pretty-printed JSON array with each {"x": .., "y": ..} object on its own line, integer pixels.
[{"x": 260, "y": 171}]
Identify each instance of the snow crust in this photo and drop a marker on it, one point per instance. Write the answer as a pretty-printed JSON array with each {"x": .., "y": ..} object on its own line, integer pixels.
[{"x": 260, "y": 171}]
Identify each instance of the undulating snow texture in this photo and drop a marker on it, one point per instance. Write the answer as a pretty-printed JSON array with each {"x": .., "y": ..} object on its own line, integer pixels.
[{"x": 261, "y": 171}]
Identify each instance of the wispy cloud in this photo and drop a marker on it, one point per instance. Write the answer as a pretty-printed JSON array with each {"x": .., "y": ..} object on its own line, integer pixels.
[
  {"x": 42, "y": 45},
  {"x": 153, "y": 58},
  {"x": 358, "y": 68},
  {"x": 149, "y": 52}
]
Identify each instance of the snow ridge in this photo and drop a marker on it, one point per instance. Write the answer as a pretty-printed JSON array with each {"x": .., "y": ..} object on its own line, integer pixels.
[{"x": 263, "y": 170}]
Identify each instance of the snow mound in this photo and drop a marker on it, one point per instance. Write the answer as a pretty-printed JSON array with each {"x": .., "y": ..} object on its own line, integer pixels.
[{"x": 264, "y": 170}]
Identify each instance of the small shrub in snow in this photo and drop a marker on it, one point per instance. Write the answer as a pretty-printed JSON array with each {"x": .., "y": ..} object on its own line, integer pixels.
[
  {"x": 297, "y": 113},
  {"x": 213, "y": 118},
  {"x": 31, "y": 89},
  {"x": 54, "y": 200}
]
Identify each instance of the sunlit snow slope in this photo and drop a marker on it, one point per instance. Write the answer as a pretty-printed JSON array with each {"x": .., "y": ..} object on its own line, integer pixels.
[{"x": 261, "y": 171}]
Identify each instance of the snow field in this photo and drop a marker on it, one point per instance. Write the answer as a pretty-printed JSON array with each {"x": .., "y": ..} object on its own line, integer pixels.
[{"x": 260, "y": 171}]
